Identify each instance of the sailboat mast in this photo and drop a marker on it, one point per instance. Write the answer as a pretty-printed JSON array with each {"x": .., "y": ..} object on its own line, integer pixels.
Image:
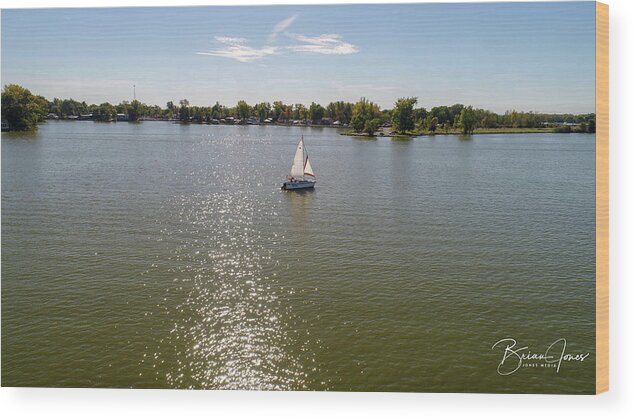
[{"x": 304, "y": 154}]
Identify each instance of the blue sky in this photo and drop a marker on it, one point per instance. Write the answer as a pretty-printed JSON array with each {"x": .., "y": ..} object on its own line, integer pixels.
[{"x": 498, "y": 56}]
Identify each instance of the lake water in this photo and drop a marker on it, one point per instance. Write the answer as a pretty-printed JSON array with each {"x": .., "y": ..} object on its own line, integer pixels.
[{"x": 165, "y": 255}]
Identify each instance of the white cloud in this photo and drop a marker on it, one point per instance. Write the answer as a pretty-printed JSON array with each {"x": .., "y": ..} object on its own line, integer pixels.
[
  {"x": 323, "y": 44},
  {"x": 238, "y": 48},
  {"x": 231, "y": 41}
]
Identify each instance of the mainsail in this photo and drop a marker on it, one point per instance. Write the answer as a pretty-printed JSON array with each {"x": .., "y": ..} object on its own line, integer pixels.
[{"x": 297, "y": 170}]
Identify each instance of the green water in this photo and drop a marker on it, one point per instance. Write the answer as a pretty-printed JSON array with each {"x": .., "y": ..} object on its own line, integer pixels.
[{"x": 161, "y": 255}]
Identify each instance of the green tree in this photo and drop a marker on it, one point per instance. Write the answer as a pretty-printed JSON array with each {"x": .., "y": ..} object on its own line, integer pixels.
[
  {"x": 278, "y": 110},
  {"x": 371, "y": 126},
  {"x": 340, "y": 111},
  {"x": 217, "y": 111},
  {"x": 419, "y": 116},
  {"x": 362, "y": 112},
  {"x": 170, "y": 109},
  {"x": 262, "y": 110},
  {"x": 300, "y": 112},
  {"x": 403, "y": 115},
  {"x": 153, "y": 111},
  {"x": 316, "y": 112},
  {"x": 489, "y": 120},
  {"x": 454, "y": 113},
  {"x": 447, "y": 114},
  {"x": 184, "y": 113},
  {"x": 592, "y": 126},
  {"x": 104, "y": 112},
  {"x": 21, "y": 109},
  {"x": 136, "y": 110},
  {"x": 43, "y": 104},
  {"x": 201, "y": 114},
  {"x": 432, "y": 123},
  {"x": 468, "y": 120},
  {"x": 55, "y": 107},
  {"x": 513, "y": 119},
  {"x": 70, "y": 107},
  {"x": 243, "y": 110},
  {"x": 122, "y": 108}
]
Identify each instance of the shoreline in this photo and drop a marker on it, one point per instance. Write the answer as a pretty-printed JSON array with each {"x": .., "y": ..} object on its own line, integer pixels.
[
  {"x": 459, "y": 133},
  {"x": 343, "y": 130},
  {"x": 178, "y": 122},
  {"x": 349, "y": 133}
]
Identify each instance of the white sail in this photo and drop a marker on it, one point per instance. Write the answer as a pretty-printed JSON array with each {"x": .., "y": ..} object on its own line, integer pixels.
[
  {"x": 297, "y": 170},
  {"x": 308, "y": 170}
]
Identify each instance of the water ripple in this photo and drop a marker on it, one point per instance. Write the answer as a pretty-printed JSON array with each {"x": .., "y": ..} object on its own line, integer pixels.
[{"x": 230, "y": 331}]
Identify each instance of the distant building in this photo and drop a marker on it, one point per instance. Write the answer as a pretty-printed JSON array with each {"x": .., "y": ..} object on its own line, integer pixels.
[
  {"x": 123, "y": 117},
  {"x": 326, "y": 121}
]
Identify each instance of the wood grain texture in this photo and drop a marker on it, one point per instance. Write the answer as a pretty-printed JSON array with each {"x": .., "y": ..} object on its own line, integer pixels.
[{"x": 602, "y": 197}]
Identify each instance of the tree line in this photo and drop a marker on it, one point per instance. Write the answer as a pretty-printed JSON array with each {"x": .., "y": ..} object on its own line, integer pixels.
[{"x": 22, "y": 110}]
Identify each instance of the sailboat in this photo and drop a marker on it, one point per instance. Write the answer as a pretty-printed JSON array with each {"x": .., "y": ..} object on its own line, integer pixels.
[{"x": 302, "y": 175}]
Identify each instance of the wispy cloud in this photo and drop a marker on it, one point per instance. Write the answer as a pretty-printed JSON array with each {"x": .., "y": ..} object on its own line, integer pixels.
[
  {"x": 323, "y": 44},
  {"x": 231, "y": 41},
  {"x": 239, "y": 49},
  {"x": 280, "y": 27}
]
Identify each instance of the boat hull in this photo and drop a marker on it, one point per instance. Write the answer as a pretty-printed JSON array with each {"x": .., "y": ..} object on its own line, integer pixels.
[{"x": 298, "y": 185}]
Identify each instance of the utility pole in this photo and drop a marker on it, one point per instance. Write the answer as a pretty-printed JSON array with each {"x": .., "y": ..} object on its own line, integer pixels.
[{"x": 134, "y": 87}]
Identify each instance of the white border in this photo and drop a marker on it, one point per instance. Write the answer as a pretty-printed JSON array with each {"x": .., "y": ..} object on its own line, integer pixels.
[{"x": 618, "y": 403}]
